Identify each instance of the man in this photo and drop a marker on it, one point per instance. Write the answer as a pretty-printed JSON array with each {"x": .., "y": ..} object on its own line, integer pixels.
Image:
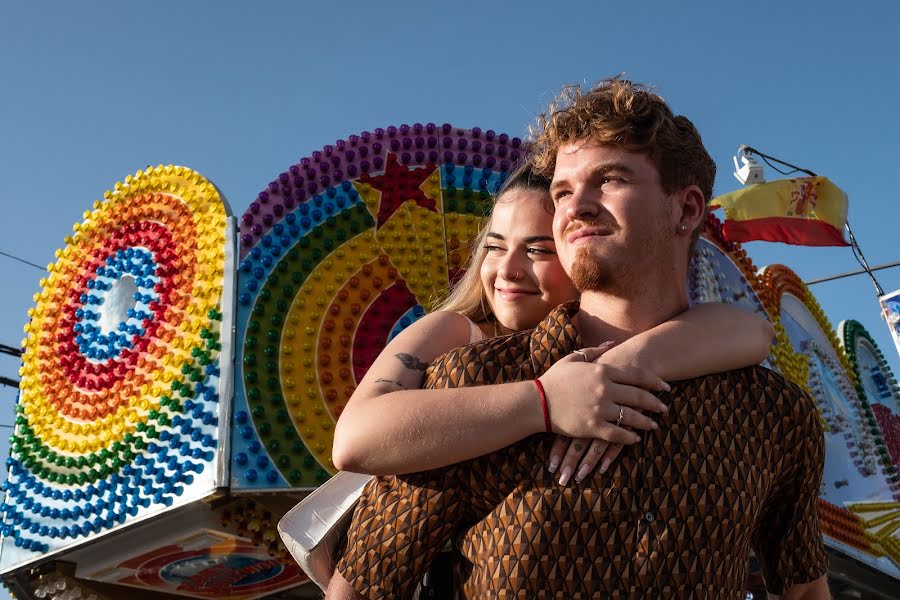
[{"x": 735, "y": 464}]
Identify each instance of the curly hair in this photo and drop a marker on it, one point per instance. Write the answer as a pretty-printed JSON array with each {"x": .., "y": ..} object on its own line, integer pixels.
[{"x": 631, "y": 116}]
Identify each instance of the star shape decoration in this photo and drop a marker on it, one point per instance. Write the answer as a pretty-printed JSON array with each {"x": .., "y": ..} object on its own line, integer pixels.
[{"x": 397, "y": 185}]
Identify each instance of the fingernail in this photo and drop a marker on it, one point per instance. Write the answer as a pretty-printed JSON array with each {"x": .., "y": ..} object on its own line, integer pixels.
[
  {"x": 565, "y": 475},
  {"x": 666, "y": 386},
  {"x": 637, "y": 438},
  {"x": 554, "y": 464},
  {"x": 653, "y": 425},
  {"x": 663, "y": 408},
  {"x": 604, "y": 466},
  {"x": 583, "y": 470}
]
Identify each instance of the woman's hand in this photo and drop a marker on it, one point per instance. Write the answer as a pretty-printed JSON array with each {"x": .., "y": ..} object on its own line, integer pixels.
[
  {"x": 594, "y": 403},
  {"x": 589, "y": 452},
  {"x": 586, "y": 399}
]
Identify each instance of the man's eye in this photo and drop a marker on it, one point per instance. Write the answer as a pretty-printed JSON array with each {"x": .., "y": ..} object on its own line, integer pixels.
[{"x": 560, "y": 195}]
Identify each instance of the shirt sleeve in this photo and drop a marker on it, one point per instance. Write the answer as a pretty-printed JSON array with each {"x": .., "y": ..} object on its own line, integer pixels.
[
  {"x": 788, "y": 540},
  {"x": 399, "y": 526}
]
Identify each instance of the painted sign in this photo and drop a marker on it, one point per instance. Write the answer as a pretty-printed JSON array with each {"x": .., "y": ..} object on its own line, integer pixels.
[
  {"x": 208, "y": 564},
  {"x": 890, "y": 312}
]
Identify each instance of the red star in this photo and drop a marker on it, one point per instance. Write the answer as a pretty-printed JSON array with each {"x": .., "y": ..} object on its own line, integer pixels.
[{"x": 397, "y": 185}]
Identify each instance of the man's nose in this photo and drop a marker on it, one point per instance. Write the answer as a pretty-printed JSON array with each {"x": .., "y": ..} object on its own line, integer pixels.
[{"x": 582, "y": 206}]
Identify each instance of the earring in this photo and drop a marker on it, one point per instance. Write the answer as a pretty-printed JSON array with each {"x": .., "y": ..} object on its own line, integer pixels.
[
  {"x": 682, "y": 227},
  {"x": 515, "y": 276}
]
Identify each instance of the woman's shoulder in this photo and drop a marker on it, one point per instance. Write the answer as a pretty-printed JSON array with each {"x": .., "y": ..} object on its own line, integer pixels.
[
  {"x": 444, "y": 319},
  {"x": 445, "y": 328}
]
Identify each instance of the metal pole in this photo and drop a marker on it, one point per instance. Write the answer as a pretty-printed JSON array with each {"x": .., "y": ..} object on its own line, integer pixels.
[
  {"x": 4, "y": 349},
  {"x": 852, "y": 273}
]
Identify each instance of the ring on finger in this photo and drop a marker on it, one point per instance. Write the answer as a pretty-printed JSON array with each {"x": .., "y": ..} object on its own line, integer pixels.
[
  {"x": 621, "y": 415},
  {"x": 582, "y": 354}
]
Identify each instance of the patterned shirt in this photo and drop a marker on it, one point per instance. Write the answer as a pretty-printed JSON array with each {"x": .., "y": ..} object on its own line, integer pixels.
[{"x": 735, "y": 464}]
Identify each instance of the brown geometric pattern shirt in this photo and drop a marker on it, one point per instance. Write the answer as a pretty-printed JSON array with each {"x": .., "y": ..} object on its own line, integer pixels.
[{"x": 735, "y": 464}]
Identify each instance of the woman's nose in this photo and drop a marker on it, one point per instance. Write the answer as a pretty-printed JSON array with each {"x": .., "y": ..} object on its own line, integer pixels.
[{"x": 510, "y": 268}]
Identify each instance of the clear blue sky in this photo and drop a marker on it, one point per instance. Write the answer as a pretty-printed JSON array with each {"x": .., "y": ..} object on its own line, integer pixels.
[{"x": 93, "y": 91}]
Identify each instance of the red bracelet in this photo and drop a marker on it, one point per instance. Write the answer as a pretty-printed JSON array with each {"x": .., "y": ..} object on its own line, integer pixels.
[{"x": 544, "y": 405}]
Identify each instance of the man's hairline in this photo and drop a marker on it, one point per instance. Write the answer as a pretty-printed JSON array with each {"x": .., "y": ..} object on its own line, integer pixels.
[{"x": 588, "y": 141}]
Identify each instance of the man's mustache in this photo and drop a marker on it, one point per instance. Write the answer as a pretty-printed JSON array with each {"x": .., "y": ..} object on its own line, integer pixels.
[{"x": 604, "y": 225}]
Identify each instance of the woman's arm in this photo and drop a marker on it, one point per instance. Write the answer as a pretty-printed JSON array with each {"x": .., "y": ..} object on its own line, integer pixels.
[
  {"x": 389, "y": 426},
  {"x": 708, "y": 338}
]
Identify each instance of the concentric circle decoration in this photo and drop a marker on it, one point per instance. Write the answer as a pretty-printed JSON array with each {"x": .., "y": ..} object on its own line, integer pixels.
[
  {"x": 815, "y": 360},
  {"x": 878, "y": 387},
  {"x": 118, "y": 415},
  {"x": 339, "y": 253}
]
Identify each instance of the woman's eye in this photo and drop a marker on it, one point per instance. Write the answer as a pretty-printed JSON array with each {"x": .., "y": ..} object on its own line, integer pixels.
[
  {"x": 539, "y": 250},
  {"x": 490, "y": 248}
]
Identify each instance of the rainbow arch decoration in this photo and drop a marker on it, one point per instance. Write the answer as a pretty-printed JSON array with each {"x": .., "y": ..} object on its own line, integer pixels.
[
  {"x": 876, "y": 383},
  {"x": 338, "y": 254},
  {"x": 817, "y": 361},
  {"x": 126, "y": 367},
  {"x": 859, "y": 481}
]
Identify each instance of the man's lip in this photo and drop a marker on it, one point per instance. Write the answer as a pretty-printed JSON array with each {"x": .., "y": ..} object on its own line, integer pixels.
[{"x": 586, "y": 232}]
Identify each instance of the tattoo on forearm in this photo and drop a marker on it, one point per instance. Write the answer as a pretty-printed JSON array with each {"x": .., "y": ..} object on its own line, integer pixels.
[
  {"x": 397, "y": 383},
  {"x": 411, "y": 362}
]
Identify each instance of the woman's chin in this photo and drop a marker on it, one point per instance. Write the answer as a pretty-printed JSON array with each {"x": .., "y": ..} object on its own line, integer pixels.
[{"x": 520, "y": 323}]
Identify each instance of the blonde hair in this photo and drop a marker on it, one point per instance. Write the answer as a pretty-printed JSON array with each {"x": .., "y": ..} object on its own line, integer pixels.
[{"x": 467, "y": 297}]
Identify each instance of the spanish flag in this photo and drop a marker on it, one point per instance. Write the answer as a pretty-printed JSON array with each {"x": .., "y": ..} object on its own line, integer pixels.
[{"x": 807, "y": 211}]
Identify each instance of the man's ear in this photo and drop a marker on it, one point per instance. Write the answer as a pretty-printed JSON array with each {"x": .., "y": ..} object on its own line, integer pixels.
[{"x": 690, "y": 208}]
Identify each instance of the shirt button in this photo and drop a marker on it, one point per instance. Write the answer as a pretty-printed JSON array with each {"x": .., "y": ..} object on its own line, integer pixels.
[{"x": 649, "y": 517}]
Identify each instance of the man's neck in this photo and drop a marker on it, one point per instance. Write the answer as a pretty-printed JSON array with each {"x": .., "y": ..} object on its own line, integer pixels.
[{"x": 618, "y": 317}]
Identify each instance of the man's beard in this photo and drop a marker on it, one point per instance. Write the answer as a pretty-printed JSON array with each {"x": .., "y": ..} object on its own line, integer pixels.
[
  {"x": 587, "y": 273},
  {"x": 621, "y": 272}
]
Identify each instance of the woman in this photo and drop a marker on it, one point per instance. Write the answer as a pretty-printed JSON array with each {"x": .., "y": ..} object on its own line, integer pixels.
[{"x": 389, "y": 426}]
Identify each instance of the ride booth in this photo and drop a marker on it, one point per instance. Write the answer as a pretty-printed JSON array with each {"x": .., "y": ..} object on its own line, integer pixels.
[{"x": 183, "y": 370}]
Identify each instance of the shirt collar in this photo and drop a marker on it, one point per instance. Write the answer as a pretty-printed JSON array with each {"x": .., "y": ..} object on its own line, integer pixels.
[{"x": 555, "y": 337}]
